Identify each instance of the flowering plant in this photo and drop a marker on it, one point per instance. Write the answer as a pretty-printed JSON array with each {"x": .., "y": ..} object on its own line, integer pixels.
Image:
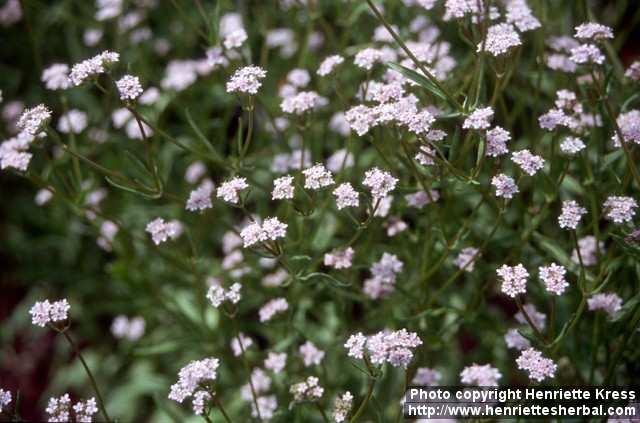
[{"x": 295, "y": 210}]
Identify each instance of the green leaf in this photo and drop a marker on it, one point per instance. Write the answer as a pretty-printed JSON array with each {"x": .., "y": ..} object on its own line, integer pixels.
[
  {"x": 419, "y": 79},
  {"x": 321, "y": 275},
  {"x": 199, "y": 135}
]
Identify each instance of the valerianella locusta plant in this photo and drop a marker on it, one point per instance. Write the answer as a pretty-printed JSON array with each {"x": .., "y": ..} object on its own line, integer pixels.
[{"x": 448, "y": 188}]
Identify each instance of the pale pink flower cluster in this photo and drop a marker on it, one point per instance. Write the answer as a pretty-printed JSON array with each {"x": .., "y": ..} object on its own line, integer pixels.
[
  {"x": 458, "y": 9},
  {"x": 200, "y": 198},
  {"x": 553, "y": 277},
  {"x": 500, "y": 39},
  {"x": 339, "y": 259},
  {"x": 519, "y": 14},
  {"x": 329, "y": 64},
  {"x": 466, "y": 259},
  {"x": 480, "y": 375},
  {"x": 311, "y": 355},
  {"x": 379, "y": 182},
  {"x": 586, "y": 54},
  {"x": 513, "y": 339},
  {"x": 346, "y": 196},
  {"x": 13, "y": 152},
  {"x": 633, "y": 71},
  {"x": 629, "y": 124},
  {"x": 366, "y": 58},
  {"x": 425, "y": 155},
  {"x": 195, "y": 376},
  {"x": 588, "y": 251},
  {"x": 302, "y": 102},
  {"x": 271, "y": 229},
  {"x": 59, "y": 409},
  {"x": 479, "y": 119},
  {"x": 620, "y": 209},
  {"x": 422, "y": 198},
  {"x": 568, "y": 112},
  {"x": 5, "y": 399},
  {"x": 514, "y": 279},
  {"x": 383, "y": 276},
  {"x": 395, "y": 348},
  {"x": 32, "y": 121},
  {"x": 528, "y": 162},
  {"x": 229, "y": 190},
  {"x": 246, "y": 80},
  {"x": 56, "y": 77},
  {"x": 538, "y": 367},
  {"x": 609, "y": 302},
  {"x": 91, "y": 68},
  {"x": 129, "y": 87},
  {"x": 426, "y": 377},
  {"x": 505, "y": 186},
  {"x": 162, "y": 231},
  {"x": 317, "y": 177},
  {"x": 273, "y": 307},
  {"x": 342, "y": 407},
  {"x": 571, "y": 214},
  {"x": 593, "y": 31},
  {"x": 497, "y": 139},
  {"x": 307, "y": 390},
  {"x": 240, "y": 343},
  {"x": 72, "y": 122},
  {"x": 275, "y": 361},
  {"x": 299, "y": 78},
  {"x": 572, "y": 145},
  {"x": 403, "y": 112},
  {"x": 44, "y": 312},
  {"x": 85, "y": 410},
  {"x": 131, "y": 329},
  {"x": 283, "y": 188},
  {"x": 218, "y": 295}
]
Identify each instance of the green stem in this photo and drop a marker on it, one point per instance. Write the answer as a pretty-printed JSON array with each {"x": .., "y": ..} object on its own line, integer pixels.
[
  {"x": 216, "y": 400},
  {"x": 324, "y": 414},
  {"x": 363, "y": 404},
  {"x": 103, "y": 410},
  {"x": 529, "y": 321},
  {"x": 413, "y": 58},
  {"x": 246, "y": 366}
]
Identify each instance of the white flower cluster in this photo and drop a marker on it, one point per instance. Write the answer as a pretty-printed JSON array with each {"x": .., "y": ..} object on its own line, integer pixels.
[
  {"x": 273, "y": 307},
  {"x": 217, "y": 294},
  {"x": 271, "y": 229},
  {"x": 131, "y": 329},
  {"x": 480, "y": 375},
  {"x": 92, "y": 67},
  {"x": 161, "y": 231},
  {"x": 59, "y": 409},
  {"x": 339, "y": 259},
  {"x": 307, "y": 390},
  {"x": 342, "y": 407},
  {"x": 229, "y": 190},
  {"x": 383, "y": 276},
  {"x": 196, "y": 375},
  {"x": 395, "y": 348},
  {"x": 514, "y": 279},
  {"x": 44, "y": 312},
  {"x": 247, "y": 80},
  {"x": 129, "y": 87},
  {"x": 538, "y": 367}
]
